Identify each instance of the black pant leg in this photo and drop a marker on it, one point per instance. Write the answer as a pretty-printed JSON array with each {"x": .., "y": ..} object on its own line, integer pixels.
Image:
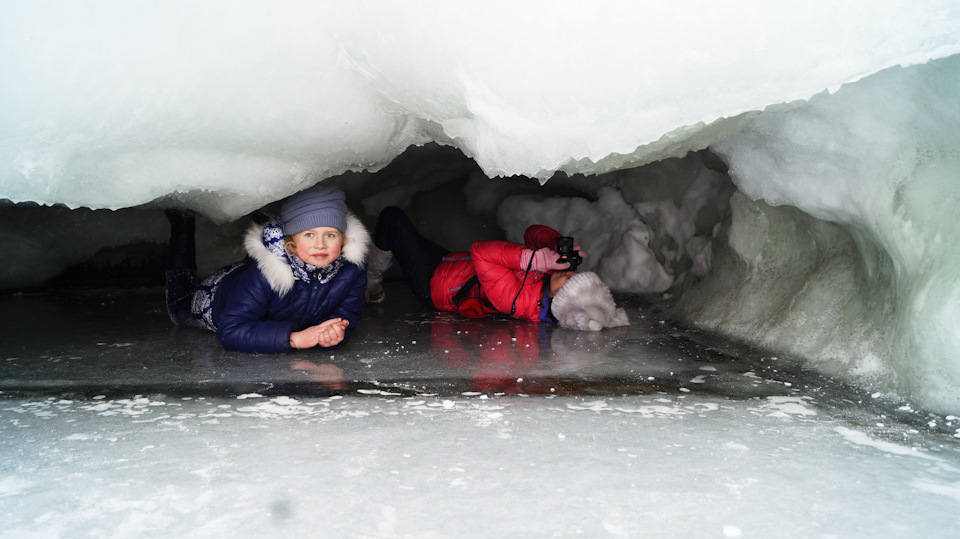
[
  {"x": 183, "y": 247},
  {"x": 416, "y": 255}
]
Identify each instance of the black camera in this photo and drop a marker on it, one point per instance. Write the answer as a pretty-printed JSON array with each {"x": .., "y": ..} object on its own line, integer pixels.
[{"x": 568, "y": 253}]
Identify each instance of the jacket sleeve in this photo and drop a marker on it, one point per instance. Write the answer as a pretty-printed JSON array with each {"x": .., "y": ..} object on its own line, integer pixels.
[
  {"x": 352, "y": 304},
  {"x": 496, "y": 264},
  {"x": 242, "y": 325},
  {"x": 540, "y": 236}
]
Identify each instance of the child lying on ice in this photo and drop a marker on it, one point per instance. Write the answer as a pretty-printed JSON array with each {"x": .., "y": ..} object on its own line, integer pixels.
[
  {"x": 302, "y": 284},
  {"x": 494, "y": 278}
]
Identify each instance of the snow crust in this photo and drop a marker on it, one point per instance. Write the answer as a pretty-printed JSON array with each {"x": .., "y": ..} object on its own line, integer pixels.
[{"x": 839, "y": 122}]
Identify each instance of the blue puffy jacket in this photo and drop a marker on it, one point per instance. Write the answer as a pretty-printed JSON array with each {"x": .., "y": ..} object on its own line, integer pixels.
[{"x": 254, "y": 305}]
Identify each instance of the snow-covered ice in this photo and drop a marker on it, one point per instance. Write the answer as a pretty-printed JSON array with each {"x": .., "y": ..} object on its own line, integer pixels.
[{"x": 430, "y": 425}]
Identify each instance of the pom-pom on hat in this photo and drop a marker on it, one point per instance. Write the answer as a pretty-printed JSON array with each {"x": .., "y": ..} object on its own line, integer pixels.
[
  {"x": 585, "y": 303},
  {"x": 320, "y": 205}
]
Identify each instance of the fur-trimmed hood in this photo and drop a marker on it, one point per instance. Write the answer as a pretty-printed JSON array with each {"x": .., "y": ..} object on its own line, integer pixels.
[
  {"x": 264, "y": 244},
  {"x": 585, "y": 303}
]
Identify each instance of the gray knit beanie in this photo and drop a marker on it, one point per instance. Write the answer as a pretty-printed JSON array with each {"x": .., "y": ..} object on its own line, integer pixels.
[{"x": 320, "y": 205}]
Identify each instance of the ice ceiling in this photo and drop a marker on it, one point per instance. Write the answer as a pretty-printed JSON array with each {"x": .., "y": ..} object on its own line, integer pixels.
[{"x": 839, "y": 121}]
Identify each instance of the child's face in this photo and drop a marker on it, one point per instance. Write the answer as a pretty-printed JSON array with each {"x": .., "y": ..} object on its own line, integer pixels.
[
  {"x": 558, "y": 279},
  {"x": 318, "y": 246}
]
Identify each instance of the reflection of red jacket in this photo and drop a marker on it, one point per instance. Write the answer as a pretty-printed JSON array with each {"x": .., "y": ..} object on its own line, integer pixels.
[
  {"x": 496, "y": 356},
  {"x": 501, "y": 277}
]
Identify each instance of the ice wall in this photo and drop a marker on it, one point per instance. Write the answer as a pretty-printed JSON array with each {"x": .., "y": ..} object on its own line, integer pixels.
[
  {"x": 226, "y": 106},
  {"x": 867, "y": 280}
]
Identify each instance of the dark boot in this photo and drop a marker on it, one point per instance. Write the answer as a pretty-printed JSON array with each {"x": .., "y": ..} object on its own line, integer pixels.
[
  {"x": 377, "y": 263},
  {"x": 183, "y": 246},
  {"x": 181, "y": 287},
  {"x": 182, "y": 267},
  {"x": 260, "y": 218}
]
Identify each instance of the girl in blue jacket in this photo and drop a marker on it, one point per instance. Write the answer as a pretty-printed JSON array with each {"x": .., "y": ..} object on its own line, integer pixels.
[{"x": 301, "y": 285}]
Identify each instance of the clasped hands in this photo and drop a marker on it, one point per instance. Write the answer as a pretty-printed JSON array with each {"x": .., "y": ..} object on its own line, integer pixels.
[{"x": 327, "y": 334}]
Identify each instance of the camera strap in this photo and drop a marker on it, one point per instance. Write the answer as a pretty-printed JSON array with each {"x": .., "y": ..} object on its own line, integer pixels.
[
  {"x": 465, "y": 289},
  {"x": 467, "y": 286},
  {"x": 513, "y": 307}
]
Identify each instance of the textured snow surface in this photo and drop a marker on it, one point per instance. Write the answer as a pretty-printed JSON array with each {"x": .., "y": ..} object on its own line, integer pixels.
[
  {"x": 471, "y": 466},
  {"x": 430, "y": 425}
]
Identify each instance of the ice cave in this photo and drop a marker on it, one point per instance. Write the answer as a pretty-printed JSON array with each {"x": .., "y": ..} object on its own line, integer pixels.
[{"x": 763, "y": 183}]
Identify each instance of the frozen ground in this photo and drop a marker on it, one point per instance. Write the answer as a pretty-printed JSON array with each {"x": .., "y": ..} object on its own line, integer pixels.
[{"x": 114, "y": 424}]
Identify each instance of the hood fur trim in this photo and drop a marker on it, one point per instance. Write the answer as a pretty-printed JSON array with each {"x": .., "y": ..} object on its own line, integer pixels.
[
  {"x": 277, "y": 270},
  {"x": 585, "y": 303}
]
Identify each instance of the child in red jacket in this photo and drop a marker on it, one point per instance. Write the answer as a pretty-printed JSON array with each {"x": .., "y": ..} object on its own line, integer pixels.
[{"x": 495, "y": 278}]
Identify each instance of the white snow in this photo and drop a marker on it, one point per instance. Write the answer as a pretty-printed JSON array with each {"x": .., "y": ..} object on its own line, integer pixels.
[
  {"x": 860, "y": 438},
  {"x": 665, "y": 466}
]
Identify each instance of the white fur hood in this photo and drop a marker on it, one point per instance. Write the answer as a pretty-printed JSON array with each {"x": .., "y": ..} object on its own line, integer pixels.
[
  {"x": 264, "y": 244},
  {"x": 585, "y": 303}
]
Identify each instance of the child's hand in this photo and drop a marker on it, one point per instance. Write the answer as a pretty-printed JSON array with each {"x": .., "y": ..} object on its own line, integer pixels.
[
  {"x": 329, "y": 333},
  {"x": 543, "y": 260},
  {"x": 332, "y": 332},
  {"x": 581, "y": 252}
]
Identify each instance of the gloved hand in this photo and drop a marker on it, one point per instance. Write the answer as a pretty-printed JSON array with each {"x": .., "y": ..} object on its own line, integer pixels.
[{"x": 544, "y": 260}]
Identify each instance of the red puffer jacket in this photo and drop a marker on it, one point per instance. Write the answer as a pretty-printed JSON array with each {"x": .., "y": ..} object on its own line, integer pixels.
[{"x": 501, "y": 278}]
